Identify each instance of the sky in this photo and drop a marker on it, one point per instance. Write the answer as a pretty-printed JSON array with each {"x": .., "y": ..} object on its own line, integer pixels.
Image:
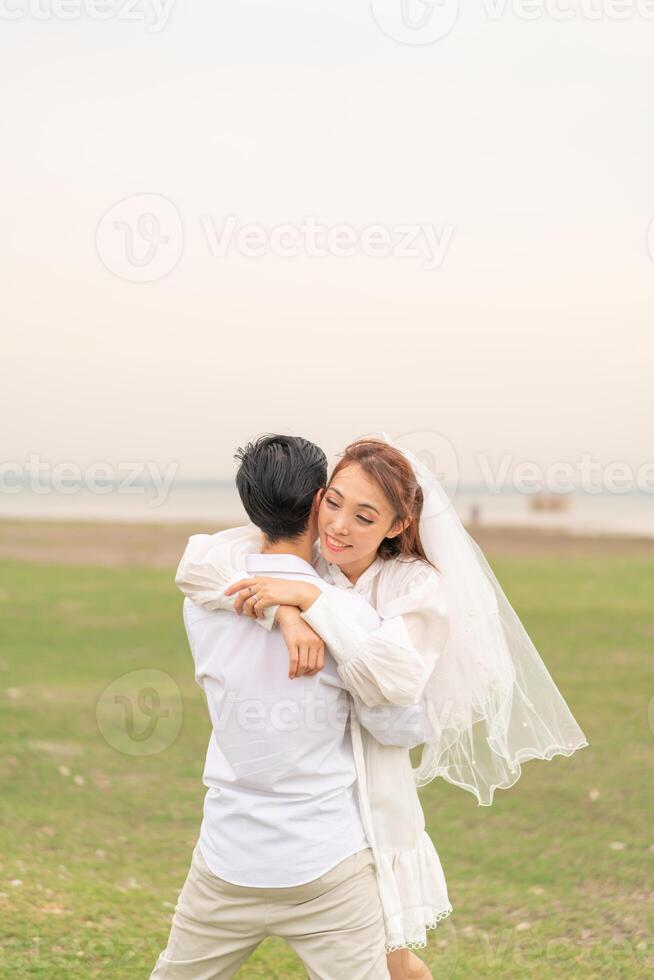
[{"x": 481, "y": 277}]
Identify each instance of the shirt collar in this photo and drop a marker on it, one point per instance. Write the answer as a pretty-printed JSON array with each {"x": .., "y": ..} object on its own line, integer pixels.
[
  {"x": 260, "y": 564},
  {"x": 340, "y": 578}
]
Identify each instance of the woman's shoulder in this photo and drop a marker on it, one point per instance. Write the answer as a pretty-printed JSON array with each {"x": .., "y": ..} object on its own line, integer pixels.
[
  {"x": 410, "y": 587},
  {"x": 404, "y": 575}
]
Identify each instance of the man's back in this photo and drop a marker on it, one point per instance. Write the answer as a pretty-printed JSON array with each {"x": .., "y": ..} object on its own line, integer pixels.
[{"x": 280, "y": 808}]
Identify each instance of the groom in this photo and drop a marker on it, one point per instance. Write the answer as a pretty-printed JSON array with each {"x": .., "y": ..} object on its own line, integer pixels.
[{"x": 282, "y": 848}]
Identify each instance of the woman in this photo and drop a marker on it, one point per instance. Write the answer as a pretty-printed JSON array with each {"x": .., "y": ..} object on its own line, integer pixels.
[{"x": 378, "y": 505}]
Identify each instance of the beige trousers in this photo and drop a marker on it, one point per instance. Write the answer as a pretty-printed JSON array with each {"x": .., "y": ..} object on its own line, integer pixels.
[{"x": 334, "y": 923}]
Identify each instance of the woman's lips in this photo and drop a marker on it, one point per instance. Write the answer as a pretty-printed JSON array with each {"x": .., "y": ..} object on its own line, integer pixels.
[{"x": 335, "y": 545}]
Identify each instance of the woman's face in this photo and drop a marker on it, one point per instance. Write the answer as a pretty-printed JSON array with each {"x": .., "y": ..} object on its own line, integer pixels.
[{"x": 354, "y": 517}]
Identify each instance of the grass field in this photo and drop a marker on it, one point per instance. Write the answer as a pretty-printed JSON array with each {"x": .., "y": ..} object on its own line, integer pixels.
[{"x": 555, "y": 879}]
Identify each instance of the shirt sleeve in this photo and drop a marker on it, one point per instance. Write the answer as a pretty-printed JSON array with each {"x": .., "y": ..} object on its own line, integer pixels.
[
  {"x": 405, "y": 725},
  {"x": 213, "y": 562},
  {"x": 391, "y": 664}
]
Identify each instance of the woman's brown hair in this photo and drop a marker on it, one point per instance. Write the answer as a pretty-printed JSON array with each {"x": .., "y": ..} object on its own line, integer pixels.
[{"x": 393, "y": 474}]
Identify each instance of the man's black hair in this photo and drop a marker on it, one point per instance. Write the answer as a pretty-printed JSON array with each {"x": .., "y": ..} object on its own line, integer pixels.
[{"x": 277, "y": 480}]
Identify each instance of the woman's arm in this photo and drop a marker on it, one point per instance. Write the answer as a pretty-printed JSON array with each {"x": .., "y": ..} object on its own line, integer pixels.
[
  {"x": 389, "y": 666},
  {"x": 392, "y": 664},
  {"x": 403, "y": 726},
  {"x": 212, "y": 562},
  {"x": 306, "y": 650}
]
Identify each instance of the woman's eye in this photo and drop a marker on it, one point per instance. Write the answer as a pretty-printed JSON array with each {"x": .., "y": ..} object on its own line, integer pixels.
[{"x": 334, "y": 504}]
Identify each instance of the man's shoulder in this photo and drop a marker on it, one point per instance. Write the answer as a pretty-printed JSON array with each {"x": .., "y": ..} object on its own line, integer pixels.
[
  {"x": 191, "y": 612},
  {"x": 194, "y": 614},
  {"x": 220, "y": 623}
]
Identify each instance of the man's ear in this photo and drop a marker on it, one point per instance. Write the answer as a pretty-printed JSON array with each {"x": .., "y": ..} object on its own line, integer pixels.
[{"x": 317, "y": 498}]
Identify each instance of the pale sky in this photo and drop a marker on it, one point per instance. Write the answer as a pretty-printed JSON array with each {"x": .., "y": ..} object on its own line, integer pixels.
[{"x": 527, "y": 147}]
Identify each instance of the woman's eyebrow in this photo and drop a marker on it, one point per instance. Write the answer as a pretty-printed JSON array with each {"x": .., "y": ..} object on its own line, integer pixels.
[{"x": 370, "y": 506}]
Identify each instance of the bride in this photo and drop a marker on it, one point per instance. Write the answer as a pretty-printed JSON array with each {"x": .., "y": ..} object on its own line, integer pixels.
[{"x": 450, "y": 647}]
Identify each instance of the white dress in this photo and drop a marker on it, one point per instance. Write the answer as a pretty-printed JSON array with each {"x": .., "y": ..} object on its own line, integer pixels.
[{"x": 389, "y": 666}]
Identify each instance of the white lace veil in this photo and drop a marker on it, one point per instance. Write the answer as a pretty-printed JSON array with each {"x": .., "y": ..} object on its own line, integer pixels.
[{"x": 492, "y": 702}]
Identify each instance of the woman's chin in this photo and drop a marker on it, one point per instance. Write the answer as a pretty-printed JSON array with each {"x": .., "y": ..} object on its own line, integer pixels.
[{"x": 337, "y": 556}]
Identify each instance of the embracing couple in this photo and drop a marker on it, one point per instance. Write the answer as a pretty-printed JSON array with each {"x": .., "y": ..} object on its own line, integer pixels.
[{"x": 323, "y": 638}]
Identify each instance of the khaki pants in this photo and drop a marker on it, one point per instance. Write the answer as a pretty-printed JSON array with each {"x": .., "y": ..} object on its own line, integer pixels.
[{"x": 334, "y": 923}]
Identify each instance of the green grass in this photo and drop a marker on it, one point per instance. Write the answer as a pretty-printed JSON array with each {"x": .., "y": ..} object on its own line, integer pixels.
[{"x": 101, "y": 861}]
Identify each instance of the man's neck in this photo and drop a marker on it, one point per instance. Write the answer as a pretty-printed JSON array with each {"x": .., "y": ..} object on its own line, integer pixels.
[{"x": 301, "y": 547}]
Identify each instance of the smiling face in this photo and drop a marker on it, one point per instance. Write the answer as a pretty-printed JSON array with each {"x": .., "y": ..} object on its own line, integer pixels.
[{"x": 353, "y": 519}]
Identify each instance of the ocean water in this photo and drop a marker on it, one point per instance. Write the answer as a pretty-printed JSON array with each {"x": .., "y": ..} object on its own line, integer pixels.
[{"x": 212, "y": 504}]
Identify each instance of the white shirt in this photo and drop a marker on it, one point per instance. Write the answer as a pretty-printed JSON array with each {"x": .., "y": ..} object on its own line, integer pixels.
[
  {"x": 387, "y": 667},
  {"x": 281, "y": 807}
]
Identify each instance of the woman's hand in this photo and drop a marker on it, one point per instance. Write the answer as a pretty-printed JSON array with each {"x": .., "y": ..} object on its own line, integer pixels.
[
  {"x": 256, "y": 594},
  {"x": 306, "y": 650}
]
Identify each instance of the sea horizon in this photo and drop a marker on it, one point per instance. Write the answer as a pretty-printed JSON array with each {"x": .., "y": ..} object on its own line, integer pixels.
[{"x": 208, "y": 500}]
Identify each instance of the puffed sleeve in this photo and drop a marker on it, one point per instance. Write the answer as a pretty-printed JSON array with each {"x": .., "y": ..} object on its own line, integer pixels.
[
  {"x": 405, "y": 726},
  {"x": 213, "y": 562},
  {"x": 391, "y": 664}
]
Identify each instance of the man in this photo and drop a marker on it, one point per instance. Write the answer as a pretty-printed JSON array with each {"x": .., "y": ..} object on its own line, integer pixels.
[{"x": 283, "y": 849}]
